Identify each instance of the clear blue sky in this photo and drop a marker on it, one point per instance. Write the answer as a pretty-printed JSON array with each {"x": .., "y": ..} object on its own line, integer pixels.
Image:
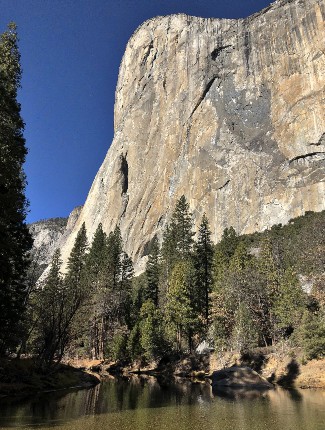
[{"x": 71, "y": 51}]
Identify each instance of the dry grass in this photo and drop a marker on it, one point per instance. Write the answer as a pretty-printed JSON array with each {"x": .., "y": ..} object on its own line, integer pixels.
[{"x": 312, "y": 374}]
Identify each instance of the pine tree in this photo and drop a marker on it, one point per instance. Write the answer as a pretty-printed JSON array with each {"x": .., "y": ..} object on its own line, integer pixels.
[
  {"x": 113, "y": 259},
  {"x": 76, "y": 291},
  {"x": 151, "y": 331},
  {"x": 125, "y": 289},
  {"x": 116, "y": 283},
  {"x": 313, "y": 334},
  {"x": 76, "y": 260},
  {"x": 203, "y": 257},
  {"x": 95, "y": 257},
  {"x": 181, "y": 228},
  {"x": 177, "y": 242},
  {"x": 168, "y": 260},
  {"x": 180, "y": 311},
  {"x": 50, "y": 315},
  {"x": 270, "y": 275},
  {"x": 152, "y": 273},
  {"x": 15, "y": 239},
  {"x": 288, "y": 304},
  {"x": 245, "y": 333},
  {"x": 229, "y": 242},
  {"x": 92, "y": 315}
]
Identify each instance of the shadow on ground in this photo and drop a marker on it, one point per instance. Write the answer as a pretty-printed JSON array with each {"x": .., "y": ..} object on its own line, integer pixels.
[{"x": 289, "y": 378}]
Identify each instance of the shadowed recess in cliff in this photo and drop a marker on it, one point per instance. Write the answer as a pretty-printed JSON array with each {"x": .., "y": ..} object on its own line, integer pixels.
[
  {"x": 311, "y": 156},
  {"x": 146, "y": 55},
  {"x": 205, "y": 92},
  {"x": 320, "y": 142},
  {"x": 124, "y": 168},
  {"x": 216, "y": 52}
]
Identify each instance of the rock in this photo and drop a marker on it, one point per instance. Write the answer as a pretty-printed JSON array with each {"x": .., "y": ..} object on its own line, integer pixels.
[
  {"x": 49, "y": 235},
  {"x": 239, "y": 377},
  {"x": 46, "y": 235},
  {"x": 204, "y": 348},
  {"x": 228, "y": 112}
]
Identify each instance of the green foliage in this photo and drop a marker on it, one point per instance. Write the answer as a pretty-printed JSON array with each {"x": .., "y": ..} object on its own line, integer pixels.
[
  {"x": 15, "y": 239},
  {"x": 76, "y": 261},
  {"x": 58, "y": 302},
  {"x": 153, "y": 273},
  {"x": 117, "y": 349},
  {"x": 203, "y": 257},
  {"x": 228, "y": 243},
  {"x": 178, "y": 236},
  {"x": 242, "y": 293},
  {"x": 234, "y": 293},
  {"x": 313, "y": 334},
  {"x": 94, "y": 258},
  {"x": 151, "y": 331},
  {"x": 181, "y": 227},
  {"x": 106, "y": 279},
  {"x": 180, "y": 310},
  {"x": 50, "y": 315},
  {"x": 289, "y": 303},
  {"x": 245, "y": 334},
  {"x": 134, "y": 347},
  {"x": 112, "y": 260}
]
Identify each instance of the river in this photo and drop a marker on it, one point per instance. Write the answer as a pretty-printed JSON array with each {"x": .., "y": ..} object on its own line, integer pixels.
[{"x": 146, "y": 403}]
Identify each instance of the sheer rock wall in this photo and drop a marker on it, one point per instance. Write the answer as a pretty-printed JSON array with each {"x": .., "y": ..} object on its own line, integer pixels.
[{"x": 228, "y": 112}]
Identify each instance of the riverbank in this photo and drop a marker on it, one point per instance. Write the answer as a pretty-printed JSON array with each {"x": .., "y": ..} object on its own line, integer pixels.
[
  {"x": 281, "y": 368},
  {"x": 20, "y": 378}
]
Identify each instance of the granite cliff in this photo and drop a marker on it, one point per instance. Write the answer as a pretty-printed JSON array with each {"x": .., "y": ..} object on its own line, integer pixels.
[
  {"x": 48, "y": 235},
  {"x": 228, "y": 112}
]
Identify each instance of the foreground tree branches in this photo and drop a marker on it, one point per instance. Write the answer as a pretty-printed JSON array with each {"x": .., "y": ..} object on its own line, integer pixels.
[{"x": 15, "y": 239}]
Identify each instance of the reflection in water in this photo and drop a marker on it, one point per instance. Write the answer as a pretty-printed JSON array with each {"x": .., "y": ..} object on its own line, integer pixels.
[
  {"x": 149, "y": 403},
  {"x": 231, "y": 393}
]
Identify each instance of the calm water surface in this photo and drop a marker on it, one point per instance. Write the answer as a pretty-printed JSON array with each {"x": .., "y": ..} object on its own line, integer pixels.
[{"x": 146, "y": 403}]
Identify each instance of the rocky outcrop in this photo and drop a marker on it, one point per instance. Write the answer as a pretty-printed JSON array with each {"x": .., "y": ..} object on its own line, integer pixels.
[
  {"x": 49, "y": 235},
  {"x": 46, "y": 235},
  {"x": 228, "y": 112}
]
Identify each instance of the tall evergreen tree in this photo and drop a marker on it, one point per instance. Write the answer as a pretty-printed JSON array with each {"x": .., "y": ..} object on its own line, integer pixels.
[
  {"x": 15, "y": 239},
  {"x": 180, "y": 311},
  {"x": 90, "y": 320},
  {"x": 151, "y": 331},
  {"x": 229, "y": 242},
  {"x": 125, "y": 289},
  {"x": 77, "y": 259},
  {"x": 177, "y": 240},
  {"x": 203, "y": 256},
  {"x": 75, "y": 286},
  {"x": 49, "y": 306},
  {"x": 270, "y": 275},
  {"x": 113, "y": 259},
  {"x": 95, "y": 257},
  {"x": 116, "y": 284},
  {"x": 152, "y": 273},
  {"x": 181, "y": 228},
  {"x": 168, "y": 259}
]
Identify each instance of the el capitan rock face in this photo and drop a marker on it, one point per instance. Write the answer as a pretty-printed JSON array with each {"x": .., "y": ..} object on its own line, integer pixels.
[{"x": 228, "y": 112}]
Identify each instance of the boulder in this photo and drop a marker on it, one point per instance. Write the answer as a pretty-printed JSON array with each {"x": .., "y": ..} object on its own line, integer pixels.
[
  {"x": 204, "y": 348},
  {"x": 239, "y": 377}
]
